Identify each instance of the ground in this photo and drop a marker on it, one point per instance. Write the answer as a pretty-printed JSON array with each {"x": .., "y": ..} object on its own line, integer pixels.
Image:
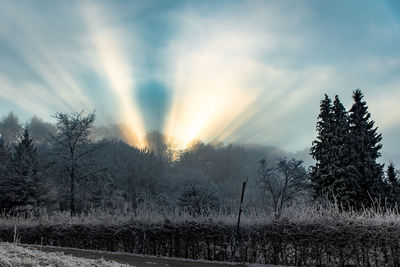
[
  {"x": 12, "y": 255},
  {"x": 17, "y": 256}
]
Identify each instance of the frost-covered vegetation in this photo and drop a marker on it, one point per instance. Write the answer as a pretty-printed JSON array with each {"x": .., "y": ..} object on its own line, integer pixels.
[
  {"x": 299, "y": 236},
  {"x": 15, "y": 256}
]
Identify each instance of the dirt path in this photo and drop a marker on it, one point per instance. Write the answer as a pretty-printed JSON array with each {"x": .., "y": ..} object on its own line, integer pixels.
[{"x": 135, "y": 260}]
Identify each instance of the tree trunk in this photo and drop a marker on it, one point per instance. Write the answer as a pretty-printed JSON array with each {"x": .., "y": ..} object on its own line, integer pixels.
[{"x": 72, "y": 192}]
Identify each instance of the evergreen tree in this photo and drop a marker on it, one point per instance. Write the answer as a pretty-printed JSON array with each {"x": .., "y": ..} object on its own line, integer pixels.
[
  {"x": 344, "y": 186},
  {"x": 22, "y": 186},
  {"x": 332, "y": 177},
  {"x": 5, "y": 158},
  {"x": 365, "y": 144},
  {"x": 5, "y": 175},
  {"x": 394, "y": 186},
  {"x": 27, "y": 169},
  {"x": 391, "y": 174},
  {"x": 321, "y": 174}
]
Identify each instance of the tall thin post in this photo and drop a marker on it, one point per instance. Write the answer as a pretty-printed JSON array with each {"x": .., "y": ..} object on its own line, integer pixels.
[{"x": 240, "y": 206}]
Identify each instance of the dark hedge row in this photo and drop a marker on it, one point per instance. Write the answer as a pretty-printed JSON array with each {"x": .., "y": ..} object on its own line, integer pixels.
[{"x": 279, "y": 242}]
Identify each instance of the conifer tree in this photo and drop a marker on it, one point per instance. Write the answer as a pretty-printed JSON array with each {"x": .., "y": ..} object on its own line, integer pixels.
[
  {"x": 22, "y": 185},
  {"x": 26, "y": 170},
  {"x": 5, "y": 157},
  {"x": 321, "y": 176},
  {"x": 394, "y": 186},
  {"x": 365, "y": 144},
  {"x": 391, "y": 174},
  {"x": 10, "y": 187},
  {"x": 344, "y": 184}
]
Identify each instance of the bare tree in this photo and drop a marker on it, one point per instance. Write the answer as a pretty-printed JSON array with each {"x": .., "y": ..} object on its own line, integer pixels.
[
  {"x": 73, "y": 139},
  {"x": 283, "y": 182}
]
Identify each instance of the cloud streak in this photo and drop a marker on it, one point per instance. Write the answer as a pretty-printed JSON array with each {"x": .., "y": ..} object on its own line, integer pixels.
[{"x": 43, "y": 58}]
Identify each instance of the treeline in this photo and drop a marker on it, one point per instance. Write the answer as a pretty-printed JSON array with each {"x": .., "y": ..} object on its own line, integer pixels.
[{"x": 73, "y": 166}]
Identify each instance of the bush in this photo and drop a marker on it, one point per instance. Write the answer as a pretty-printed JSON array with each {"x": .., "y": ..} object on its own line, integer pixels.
[{"x": 299, "y": 236}]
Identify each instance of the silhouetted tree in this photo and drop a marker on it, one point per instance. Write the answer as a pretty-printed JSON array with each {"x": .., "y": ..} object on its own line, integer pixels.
[
  {"x": 365, "y": 145},
  {"x": 345, "y": 185},
  {"x": 321, "y": 150}
]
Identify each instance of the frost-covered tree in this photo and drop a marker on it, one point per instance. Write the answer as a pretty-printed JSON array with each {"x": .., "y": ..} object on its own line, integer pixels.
[
  {"x": 365, "y": 144},
  {"x": 73, "y": 140},
  {"x": 283, "y": 182}
]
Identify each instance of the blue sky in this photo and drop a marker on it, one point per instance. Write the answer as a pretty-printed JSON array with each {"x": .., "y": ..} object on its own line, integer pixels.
[{"x": 232, "y": 71}]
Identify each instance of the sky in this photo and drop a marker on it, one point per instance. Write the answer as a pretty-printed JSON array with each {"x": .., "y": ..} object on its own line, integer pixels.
[{"x": 249, "y": 72}]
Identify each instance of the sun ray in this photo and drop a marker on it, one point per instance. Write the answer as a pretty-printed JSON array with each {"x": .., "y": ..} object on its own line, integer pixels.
[{"x": 117, "y": 71}]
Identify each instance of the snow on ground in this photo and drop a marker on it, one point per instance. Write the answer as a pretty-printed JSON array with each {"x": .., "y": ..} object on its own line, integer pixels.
[{"x": 15, "y": 256}]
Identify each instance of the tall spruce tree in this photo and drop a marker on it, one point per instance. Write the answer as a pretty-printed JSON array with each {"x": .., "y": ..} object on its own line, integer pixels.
[
  {"x": 321, "y": 173},
  {"x": 365, "y": 144},
  {"x": 345, "y": 184},
  {"x": 332, "y": 175}
]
